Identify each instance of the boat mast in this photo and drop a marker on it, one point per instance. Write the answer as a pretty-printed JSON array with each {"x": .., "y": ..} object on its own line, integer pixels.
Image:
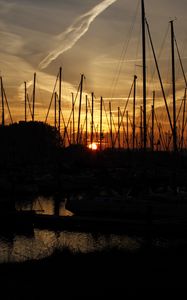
[
  {"x": 55, "y": 109},
  {"x": 80, "y": 103},
  {"x": 59, "y": 99},
  {"x": 86, "y": 137},
  {"x": 153, "y": 118},
  {"x": 119, "y": 146},
  {"x": 111, "y": 132},
  {"x": 25, "y": 100},
  {"x": 144, "y": 76},
  {"x": 73, "y": 112},
  {"x": 174, "y": 88},
  {"x": 127, "y": 117},
  {"x": 34, "y": 95},
  {"x": 134, "y": 114},
  {"x": 92, "y": 116},
  {"x": 3, "y": 107},
  {"x": 159, "y": 76},
  {"x": 183, "y": 120},
  {"x": 101, "y": 120},
  {"x": 141, "y": 129}
]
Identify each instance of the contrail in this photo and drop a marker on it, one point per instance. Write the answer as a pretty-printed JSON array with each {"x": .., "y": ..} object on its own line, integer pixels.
[{"x": 68, "y": 38}]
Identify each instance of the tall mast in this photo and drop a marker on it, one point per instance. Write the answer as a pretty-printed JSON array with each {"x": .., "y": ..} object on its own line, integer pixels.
[
  {"x": 86, "y": 138},
  {"x": 34, "y": 95},
  {"x": 101, "y": 120},
  {"x": 183, "y": 120},
  {"x": 119, "y": 128},
  {"x": 111, "y": 133},
  {"x": 60, "y": 98},
  {"x": 144, "y": 76},
  {"x": 70, "y": 134},
  {"x": 153, "y": 118},
  {"x": 3, "y": 108},
  {"x": 80, "y": 103},
  {"x": 127, "y": 116},
  {"x": 55, "y": 110},
  {"x": 141, "y": 122},
  {"x": 134, "y": 114},
  {"x": 174, "y": 89},
  {"x": 25, "y": 101},
  {"x": 73, "y": 112},
  {"x": 92, "y": 120},
  {"x": 159, "y": 76}
]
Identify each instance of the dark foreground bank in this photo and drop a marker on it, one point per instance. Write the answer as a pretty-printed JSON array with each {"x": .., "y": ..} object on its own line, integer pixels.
[{"x": 111, "y": 273}]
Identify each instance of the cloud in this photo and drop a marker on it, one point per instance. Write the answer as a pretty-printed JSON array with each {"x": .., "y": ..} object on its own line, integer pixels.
[
  {"x": 5, "y": 7},
  {"x": 10, "y": 43},
  {"x": 67, "y": 39}
]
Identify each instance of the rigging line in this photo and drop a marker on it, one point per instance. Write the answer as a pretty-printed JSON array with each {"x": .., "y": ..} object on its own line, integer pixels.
[
  {"x": 8, "y": 106},
  {"x": 149, "y": 117},
  {"x": 124, "y": 110},
  {"x": 89, "y": 109},
  {"x": 183, "y": 117},
  {"x": 29, "y": 105},
  {"x": 169, "y": 142},
  {"x": 149, "y": 67},
  {"x": 137, "y": 48},
  {"x": 124, "y": 131},
  {"x": 51, "y": 99},
  {"x": 82, "y": 129},
  {"x": 74, "y": 106},
  {"x": 179, "y": 110},
  {"x": 130, "y": 122},
  {"x": 163, "y": 42},
  {"x": 95, "y": 109},
  {"x": 65, "y": 127},
  {"x": 183, "y": 47},
  {"x": 180, "y": 60},
  {"x": 185, "y": 123},
  {"x": 115, "y": 131},
  {"x": 106, "y": 115},
  {"x": 31, "y": 100},
  {"x": 160, "y": 133},
  {"x": 40, "y": 96},
  {"x": 83, "y": 125},
  {"x": 159, "y": 75},
  {"x": 162, "y": 47},
  {"x": 123, "y": 53},
  {"x": 127, "y": 100}
]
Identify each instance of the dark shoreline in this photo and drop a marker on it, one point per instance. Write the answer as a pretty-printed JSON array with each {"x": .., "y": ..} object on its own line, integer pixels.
[{"x": 103, "y": 273}]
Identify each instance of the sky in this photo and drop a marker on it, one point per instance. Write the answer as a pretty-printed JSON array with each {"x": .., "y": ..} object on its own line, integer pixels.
[{"x": 100, "y": 39}]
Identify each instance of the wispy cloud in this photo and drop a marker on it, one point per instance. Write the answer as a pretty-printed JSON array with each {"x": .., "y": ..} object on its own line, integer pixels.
[
  {"x": 10, "y": 43},
  {"x": 68, "y": 38},
  {"x": 5, "y": 7}
]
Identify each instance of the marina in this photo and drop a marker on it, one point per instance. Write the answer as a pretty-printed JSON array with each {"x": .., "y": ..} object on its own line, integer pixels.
[{"x": 93, "y": 181}]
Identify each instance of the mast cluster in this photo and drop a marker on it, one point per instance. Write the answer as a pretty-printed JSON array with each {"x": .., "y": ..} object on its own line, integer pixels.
[{"x": 91, "y": 122}]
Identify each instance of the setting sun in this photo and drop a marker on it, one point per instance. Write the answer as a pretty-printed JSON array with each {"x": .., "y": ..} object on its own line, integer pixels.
[{"x": 93, "y": 146}]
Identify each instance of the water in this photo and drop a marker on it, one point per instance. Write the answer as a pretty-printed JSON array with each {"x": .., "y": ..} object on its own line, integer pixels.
[
  {"x": 44, "y": 242},
  {"x": 33, "y": 243}
]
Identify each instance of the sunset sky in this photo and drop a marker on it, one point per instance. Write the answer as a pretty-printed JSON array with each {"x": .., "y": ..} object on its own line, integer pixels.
[{"x": 101, "y": 39}]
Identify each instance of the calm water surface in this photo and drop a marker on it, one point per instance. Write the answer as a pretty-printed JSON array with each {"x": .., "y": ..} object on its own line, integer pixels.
[{"x": 36, "y": 243}]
